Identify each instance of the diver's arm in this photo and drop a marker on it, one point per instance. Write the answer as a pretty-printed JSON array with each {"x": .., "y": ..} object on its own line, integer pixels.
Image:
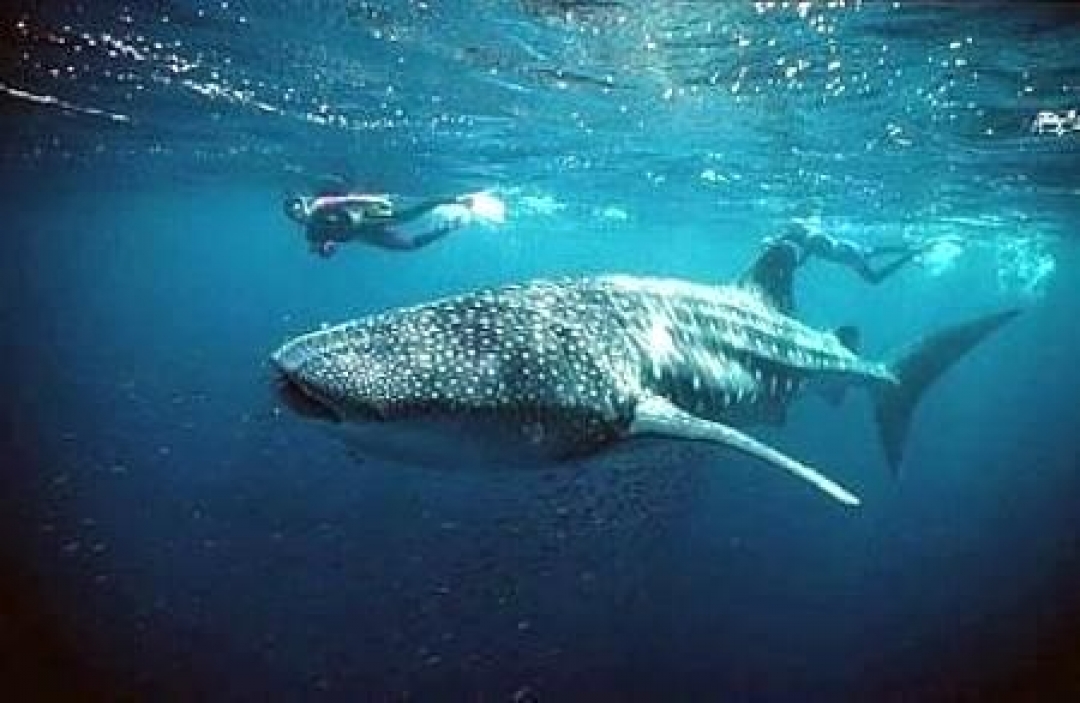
[{"x": 425, "y": 238}]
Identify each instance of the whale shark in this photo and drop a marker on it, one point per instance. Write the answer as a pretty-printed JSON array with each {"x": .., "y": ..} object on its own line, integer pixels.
[{"x": 552, "y": 370}]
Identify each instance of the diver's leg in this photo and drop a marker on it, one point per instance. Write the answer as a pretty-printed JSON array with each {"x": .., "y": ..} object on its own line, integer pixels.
[
  {"x": 420, "y": 210},
  {"x": 887, "y": 249},
  {"x": 876, "y": 277},
  {"x": 425, "y": 238},
  {"x": 390, "y": 238}
]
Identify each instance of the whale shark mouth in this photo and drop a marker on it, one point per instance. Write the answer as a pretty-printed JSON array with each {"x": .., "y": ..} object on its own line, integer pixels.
[
  {"x": 288, "y": 381},
  {"x": 294, "y": 396}
]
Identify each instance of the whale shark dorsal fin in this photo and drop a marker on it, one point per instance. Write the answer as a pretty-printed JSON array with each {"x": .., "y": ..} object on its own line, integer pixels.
[
  {"x": 772, "y": 275},
  {"x": 658, "y": 416},
  {"x": 849, "y": 336}
]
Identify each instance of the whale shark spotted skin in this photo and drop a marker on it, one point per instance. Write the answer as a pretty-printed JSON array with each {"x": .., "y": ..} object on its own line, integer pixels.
[{"x": 542, "y": 372}]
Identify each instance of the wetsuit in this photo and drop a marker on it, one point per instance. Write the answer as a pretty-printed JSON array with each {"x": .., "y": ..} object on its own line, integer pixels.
[{"x": 333, "y": 220}]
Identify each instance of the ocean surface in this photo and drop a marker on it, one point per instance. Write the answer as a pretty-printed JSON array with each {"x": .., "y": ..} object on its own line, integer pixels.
[{"x": 168, "y": 531}]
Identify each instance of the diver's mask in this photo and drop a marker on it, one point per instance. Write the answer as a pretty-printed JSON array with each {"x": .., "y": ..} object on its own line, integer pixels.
[{"x": 297, "y": 209}]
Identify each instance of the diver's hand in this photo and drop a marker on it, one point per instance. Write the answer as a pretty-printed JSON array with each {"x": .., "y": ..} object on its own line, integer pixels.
[{"x": 324, "y": 249}]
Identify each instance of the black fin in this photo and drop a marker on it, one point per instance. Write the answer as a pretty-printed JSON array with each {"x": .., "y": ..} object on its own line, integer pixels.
[
  {"x": 916, "y": 368},
  {"x": 849, "y": 336},
  {"x": 772, "y": 275}
]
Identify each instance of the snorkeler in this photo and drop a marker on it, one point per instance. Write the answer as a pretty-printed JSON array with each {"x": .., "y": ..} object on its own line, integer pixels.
[
  {"x": 332, "y": 220},
  {"x": 845, "y": 252}
]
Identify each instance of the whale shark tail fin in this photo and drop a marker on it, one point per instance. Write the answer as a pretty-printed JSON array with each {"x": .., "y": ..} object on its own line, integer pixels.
[
  {"x": 772, "y": 275},
  {"x": 849, "y": 336},
  {"x": 916, "y": 368}
]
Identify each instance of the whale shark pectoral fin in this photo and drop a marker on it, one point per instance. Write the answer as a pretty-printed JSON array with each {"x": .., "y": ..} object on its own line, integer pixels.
[{"x": 657, "y": 416}]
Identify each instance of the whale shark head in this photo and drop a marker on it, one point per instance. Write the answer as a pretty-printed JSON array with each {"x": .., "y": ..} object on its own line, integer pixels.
[
  {"x": 493, "y": 352},
  {"x": 330, "y": 375},
  {"x": 498, "y": 378},
  {"x": 454, "y": 356}
]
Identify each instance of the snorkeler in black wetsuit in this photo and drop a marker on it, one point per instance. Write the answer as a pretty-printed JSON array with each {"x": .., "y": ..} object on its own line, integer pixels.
[
  {"x": 855, "y": 256},
  {"x": 332, "y": 220}
]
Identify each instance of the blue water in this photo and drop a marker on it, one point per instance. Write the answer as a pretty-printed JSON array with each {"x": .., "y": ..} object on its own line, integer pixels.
[{"x": 169, "y": 532}]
